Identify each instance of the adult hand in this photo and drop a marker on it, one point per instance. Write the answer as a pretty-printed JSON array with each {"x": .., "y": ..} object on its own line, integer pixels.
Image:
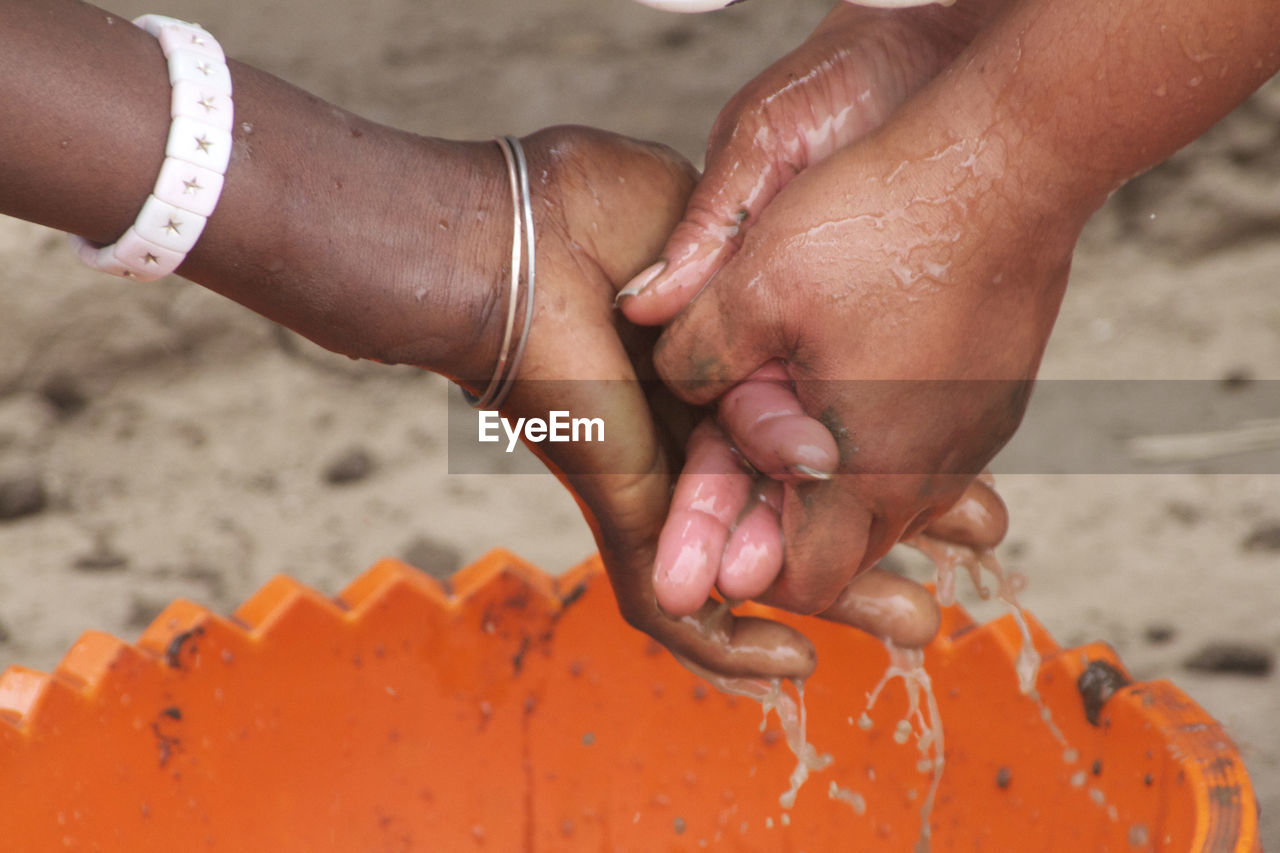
[
  {"x": 908, "y": 283},
  {"x": 968, "y": 204},
  {"x": 603, "y": 205},
  {"x": 387, "y": 246},
  {"x": 724, "y": 533},
  {"x": 841, "y": 84}
]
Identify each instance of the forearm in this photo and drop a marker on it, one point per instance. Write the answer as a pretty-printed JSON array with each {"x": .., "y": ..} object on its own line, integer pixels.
[
  {"x": 1084, "y": 94},
  {"x": 908, "y": 46},
  {"x": 370, "y": 241}
]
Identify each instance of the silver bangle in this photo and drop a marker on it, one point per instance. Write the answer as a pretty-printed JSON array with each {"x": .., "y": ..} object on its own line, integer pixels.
[{"x": 523, "y": 265}]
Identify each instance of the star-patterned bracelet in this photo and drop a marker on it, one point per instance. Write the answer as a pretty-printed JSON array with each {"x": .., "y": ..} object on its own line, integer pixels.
[{"x": 195, "y": 162}]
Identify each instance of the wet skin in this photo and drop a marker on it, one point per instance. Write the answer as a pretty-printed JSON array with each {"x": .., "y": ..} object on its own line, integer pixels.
[
  {"x": 856, "y": 69},
  {"x": 914, "y": 186}
]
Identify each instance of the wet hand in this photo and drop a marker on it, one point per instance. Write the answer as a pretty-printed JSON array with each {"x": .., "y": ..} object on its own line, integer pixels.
[
  {"x": 843, "y": 83},
  {"x": 908, "y": 285},
  {"x": 724, "y": 533},
  {"x": 603, "y": 205}
]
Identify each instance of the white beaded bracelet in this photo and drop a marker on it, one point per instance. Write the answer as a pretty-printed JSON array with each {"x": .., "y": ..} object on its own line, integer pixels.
[{"x": 195, "y": 162}]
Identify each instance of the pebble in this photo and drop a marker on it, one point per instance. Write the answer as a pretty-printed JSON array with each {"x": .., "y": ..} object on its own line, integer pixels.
[
  {"x": 435, "y": 558},
  {"x": 103, "y": 558},
  {"x": 1264, "y": 537},
  {"x": 26, "y": 422},
  {"x": 350, "y": 466},
  {"x": 1184, "y": 513},
  {"x": 65, "y": 395},
  {"x": 676, "y": 38},
  {"x": 22, "y": 495},
  {"x": 1232, "y": 658},
  {"x": 143, "y": 611},
  {"x": 1237, "y": 378},
  {"x": 1097, "y": 684},
  {"x": 1159, "y": 633}
]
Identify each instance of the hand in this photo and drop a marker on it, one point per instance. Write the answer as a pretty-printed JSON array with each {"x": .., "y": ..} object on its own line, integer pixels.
[
  {"x": 724, "y": 532},
  {"x": 593, "y": 231},
  {"x": 603, "y": 205},
  {"x": 909, "y": 284},
  {"x": 843, "y": 83},
  {"x": 392, "y": 247}
]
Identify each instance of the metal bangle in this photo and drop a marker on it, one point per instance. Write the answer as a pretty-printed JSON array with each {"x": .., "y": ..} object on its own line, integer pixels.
[
  {"x": 531, "y": 277},
  {"x": 504, "y": 373}
]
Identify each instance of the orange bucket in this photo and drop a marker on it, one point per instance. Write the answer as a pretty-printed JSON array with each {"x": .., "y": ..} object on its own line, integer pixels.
[{"x": 518, "y": 712}]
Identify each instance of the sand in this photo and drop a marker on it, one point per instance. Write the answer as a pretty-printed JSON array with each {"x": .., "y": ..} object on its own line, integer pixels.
[{"x": 180, "y": 446}]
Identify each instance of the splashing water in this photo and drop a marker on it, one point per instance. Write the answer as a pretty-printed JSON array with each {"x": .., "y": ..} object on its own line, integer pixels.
[
  {"x": 922, "y": 719},
  {"x": 791, "y": 716},
  {"x": 947, "y": 557}
]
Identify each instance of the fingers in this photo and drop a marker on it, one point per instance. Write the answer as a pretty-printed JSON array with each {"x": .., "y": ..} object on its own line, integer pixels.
[
  {"x": 887, "y": 606},
  {"x": 717, "y": 640},
  {"x": 720, "y": 339},
  {"x": 624, "y": 486},
  {"x": 753, "y": 554},
  {"x": 721, "y": 530},
  {"x": 626, "y": 511},
  {"x": 764, "y": 419},
  {"x": 979, "y": 520},
  {"x": 710, "y": 494},
  {"x": 744, "y": 172},
  {"x": 826, "y": 531}
]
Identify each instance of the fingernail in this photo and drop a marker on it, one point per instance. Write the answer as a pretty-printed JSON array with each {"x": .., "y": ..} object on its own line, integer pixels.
[
  {"x": 810, "y": 473},
  {"x": 640, "y": 282}
]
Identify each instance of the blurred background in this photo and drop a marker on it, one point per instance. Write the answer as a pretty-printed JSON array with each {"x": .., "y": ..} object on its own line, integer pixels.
[{"x": 157, "y": 441}]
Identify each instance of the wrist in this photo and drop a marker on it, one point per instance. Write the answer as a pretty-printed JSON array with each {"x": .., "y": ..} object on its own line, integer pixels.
[
  {"x": 1086, "y": 95},
  {"x": 895, "y": 52},
  {"x": 965, "y": 122},
  {"x": 925, "y": 38},
  {"x": 370, "y": 241}
]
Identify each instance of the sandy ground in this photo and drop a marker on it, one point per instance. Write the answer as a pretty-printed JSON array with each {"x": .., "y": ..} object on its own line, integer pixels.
[{"x": 188, "y": 448}]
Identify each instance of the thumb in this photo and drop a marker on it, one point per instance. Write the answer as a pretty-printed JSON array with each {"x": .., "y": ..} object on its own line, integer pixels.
[
  {"x": 719, "y": 340},
  {"x": 744, "y": 173}
]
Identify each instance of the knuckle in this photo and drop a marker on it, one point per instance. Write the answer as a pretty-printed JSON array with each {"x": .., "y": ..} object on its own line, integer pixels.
[{"x": 810, "y": 600}]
